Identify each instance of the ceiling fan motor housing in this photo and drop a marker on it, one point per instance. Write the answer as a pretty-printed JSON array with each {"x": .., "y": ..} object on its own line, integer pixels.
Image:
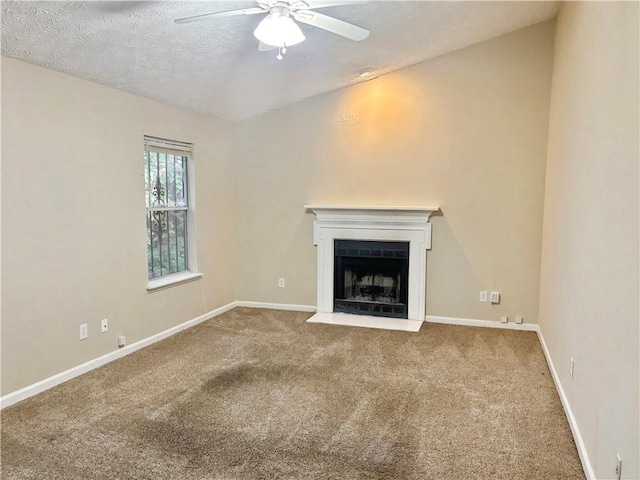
[{"x": 290, "y": 5}]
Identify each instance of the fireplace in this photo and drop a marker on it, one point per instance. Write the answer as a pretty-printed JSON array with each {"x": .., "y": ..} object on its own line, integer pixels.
[
  {"x": 371, "y": 261},
  {"x": 371, "y": 278}
]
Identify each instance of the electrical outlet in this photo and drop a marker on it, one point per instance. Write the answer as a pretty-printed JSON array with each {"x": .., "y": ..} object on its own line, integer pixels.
[
  {"x": 504, "y": 319},
  {"x": 495, "y": 297},
  {"x": 84, "y": 331},
  {"x": 104, "y": 325},
  {"x": 122, "y": 341},
  {"x": 281, "y": 282},
  {"x": 618, "y": 467},
  {"x": 483, "y": 297},
  {"x": 571, "y": 368},
  {"x": 519, "y": 319}
]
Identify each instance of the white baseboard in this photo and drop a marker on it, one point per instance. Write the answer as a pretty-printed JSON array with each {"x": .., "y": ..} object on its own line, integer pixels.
[
  {"x": 57, "y": 379},
  {"x": 276, "y": 306},
  {"x": 472, "y": 322},
  {"x": 575, "y": 430}
]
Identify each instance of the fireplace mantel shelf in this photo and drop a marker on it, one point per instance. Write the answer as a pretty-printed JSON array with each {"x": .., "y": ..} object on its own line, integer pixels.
[{"x": 368, "y": 210}]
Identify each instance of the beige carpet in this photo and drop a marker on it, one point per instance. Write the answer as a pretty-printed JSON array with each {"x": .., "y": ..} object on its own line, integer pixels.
[{"x": 259, "y": 394}]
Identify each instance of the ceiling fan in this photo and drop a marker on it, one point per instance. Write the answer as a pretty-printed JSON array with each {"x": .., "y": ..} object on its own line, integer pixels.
[{"x": 279, "y": 30}]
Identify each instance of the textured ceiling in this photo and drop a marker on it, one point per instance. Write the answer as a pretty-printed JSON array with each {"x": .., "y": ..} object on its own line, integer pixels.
[{"x": 214, "y": 66}]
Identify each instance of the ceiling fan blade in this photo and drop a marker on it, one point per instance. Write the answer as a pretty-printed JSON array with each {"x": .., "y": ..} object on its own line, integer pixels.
[
  {"x": 227, "y": 13},
  {"x": 313, "y": 4},
  {"x": 333, "y": 25},
  {"x": 263, "y": 47}
]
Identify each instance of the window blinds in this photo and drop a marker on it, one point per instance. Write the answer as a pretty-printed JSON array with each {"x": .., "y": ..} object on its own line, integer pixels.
[{"x": 171, "y": 147}]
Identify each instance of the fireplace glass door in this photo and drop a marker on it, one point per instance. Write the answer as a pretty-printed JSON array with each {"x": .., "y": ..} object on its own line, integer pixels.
[{"x": 371, "y": 278}]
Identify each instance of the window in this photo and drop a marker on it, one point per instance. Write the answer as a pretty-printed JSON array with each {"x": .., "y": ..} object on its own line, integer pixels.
[{"x": 170, "y": 245}]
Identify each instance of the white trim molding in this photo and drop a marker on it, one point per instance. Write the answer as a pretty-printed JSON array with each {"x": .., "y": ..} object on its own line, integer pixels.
[
  {"x": 57, "y": 379},
  {"x": 472, "y": 322},
  {"x": 573, "y": 424},
  {"x": 170, "y": 280},
  {"x": 396, "y": 224},
  {"x": 276, "y": 306}
]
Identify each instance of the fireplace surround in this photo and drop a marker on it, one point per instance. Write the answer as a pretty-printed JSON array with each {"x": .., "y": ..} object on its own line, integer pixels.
[{"x": 385, "y": 225}]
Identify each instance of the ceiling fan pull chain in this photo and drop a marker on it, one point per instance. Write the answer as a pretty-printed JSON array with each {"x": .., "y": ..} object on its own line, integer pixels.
[{"x": 281, "y": 51}]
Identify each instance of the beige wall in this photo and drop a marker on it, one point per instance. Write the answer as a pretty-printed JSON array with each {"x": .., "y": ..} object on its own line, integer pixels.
[
  {"x": 466, "y": 131},
  {"x": 73, "y": 220},
  {"x": 589, "y": 280}
]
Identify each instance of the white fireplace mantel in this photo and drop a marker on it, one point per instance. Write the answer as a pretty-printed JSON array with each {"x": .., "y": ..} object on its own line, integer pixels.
[{"x": 381, "y": 223}]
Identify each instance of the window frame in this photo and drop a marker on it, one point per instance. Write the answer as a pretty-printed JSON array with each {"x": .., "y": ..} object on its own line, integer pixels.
[{"x": 173, "y": 147}]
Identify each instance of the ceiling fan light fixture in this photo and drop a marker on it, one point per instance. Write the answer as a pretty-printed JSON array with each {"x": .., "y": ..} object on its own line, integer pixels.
[{"x": 278, "y": 30}]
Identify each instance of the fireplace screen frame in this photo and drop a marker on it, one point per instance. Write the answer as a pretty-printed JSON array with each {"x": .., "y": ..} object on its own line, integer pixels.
[{"x": 389, "y": 260}]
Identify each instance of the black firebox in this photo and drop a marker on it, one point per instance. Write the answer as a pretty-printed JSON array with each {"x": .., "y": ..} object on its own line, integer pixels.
[{"x": 371, "y": 278}]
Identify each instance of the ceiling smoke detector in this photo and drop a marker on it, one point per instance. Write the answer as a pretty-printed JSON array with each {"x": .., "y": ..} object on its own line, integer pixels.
[{"x": 365, "y": 72}]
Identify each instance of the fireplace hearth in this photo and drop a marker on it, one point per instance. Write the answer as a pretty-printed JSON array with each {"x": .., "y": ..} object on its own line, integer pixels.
[{"x": 371, "y": 278}]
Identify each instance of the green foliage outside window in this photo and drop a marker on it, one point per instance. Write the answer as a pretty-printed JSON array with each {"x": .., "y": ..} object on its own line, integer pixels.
[{"x": 167, "y": 212}]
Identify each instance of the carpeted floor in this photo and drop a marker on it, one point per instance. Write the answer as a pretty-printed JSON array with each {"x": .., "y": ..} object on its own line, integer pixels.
[{"x": 260, "y": 394}]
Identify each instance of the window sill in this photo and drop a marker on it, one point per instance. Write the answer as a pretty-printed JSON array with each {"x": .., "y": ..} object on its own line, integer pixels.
[{"x": 171, "y": 280}]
